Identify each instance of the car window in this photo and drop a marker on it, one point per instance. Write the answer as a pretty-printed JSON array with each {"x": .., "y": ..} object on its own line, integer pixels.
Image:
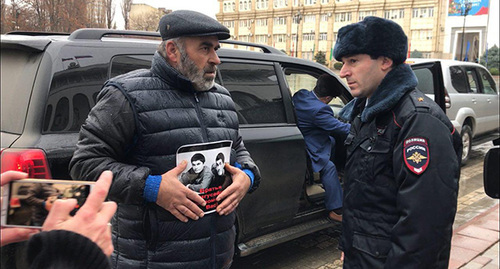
[
  {"x": 472, "y": 79},
  {"x": 255, "y": 91},
  {"x": 80, "y": 77},
  {"x": 425, "y": 80},
  {"x": 458, "y": 79},
  {"x": 18, "y": 73},
  {"x": 125, "y": 63},
  {"x": 298, "y": 79},
  {"x": 489, "y": 86}
]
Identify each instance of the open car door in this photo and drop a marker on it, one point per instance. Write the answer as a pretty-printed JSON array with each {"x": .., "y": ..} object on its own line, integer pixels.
[{"x": 430, "y": 81}]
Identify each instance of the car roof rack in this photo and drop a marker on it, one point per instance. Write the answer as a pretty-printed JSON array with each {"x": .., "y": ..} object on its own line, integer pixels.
[
  {"x": 35, "y": 33},
  {"x": 264, "y": 48},
  {"x": 98, "y": 33}
]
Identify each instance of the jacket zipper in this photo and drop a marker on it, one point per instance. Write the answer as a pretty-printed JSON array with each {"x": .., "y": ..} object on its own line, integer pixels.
[{"x": 200, "y": 117}]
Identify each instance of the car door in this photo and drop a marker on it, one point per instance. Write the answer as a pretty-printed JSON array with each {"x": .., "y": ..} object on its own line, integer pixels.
[
  {"x": 273, "y": 140},
  {"x": 486, "y": 100},
  {"x": 430, "y": 82}
]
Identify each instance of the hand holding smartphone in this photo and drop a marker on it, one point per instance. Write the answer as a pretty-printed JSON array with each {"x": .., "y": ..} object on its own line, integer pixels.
[{"x": 27, "y": 202}]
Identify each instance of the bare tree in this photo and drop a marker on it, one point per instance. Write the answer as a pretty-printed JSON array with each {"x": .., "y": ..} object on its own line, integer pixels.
[
  {"x": 110, "y": 12},
  {"x": 146, "y": 21},
  {"x": 2, "y": 16},
  {"x": 39, "y": 9},
  {"x": 126, "y": 7}
]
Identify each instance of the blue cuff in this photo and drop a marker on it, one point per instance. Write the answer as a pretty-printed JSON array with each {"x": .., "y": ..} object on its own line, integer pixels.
[
  {"x": 248, "y": 172},
  {"x": 151, "y": 188}
]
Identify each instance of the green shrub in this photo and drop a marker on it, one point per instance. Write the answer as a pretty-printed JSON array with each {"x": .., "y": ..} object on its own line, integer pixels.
[
  {"x": 494, "y": 71},
  {"x": 338, "y": 65}
]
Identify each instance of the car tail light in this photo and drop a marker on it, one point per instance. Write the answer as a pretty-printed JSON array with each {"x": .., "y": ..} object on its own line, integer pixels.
[
  {"x": 447, "y": 100},
  {"x": 31, "y": 161}
]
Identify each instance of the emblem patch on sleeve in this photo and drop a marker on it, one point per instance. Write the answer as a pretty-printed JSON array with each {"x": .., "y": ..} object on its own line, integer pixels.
[{"x": 416, "y": 154}]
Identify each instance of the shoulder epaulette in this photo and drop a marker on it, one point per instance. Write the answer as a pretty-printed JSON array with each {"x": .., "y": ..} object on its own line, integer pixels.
[{"x": 419, "y": 101}]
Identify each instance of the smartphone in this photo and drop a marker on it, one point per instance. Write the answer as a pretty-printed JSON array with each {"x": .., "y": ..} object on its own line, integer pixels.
[{"x": 27, "y": 202}]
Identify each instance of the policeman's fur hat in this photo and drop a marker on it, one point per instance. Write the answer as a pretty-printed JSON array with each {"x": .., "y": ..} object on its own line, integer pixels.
[
  {"x": 190, "y": 23},
  {"x": 373, "y": 36}
]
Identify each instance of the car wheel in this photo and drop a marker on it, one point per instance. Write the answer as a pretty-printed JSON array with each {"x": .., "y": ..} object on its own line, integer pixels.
[{"x": 466, "y": 143}]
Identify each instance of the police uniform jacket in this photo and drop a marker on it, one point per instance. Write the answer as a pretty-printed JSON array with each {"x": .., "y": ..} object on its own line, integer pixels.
[
  {"x": 135, "y": 129},
  {"x": 401, "y": 178}
]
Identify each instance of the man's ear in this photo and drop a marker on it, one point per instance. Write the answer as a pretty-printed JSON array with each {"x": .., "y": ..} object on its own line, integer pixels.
[
  {"x": 386, "y": 63},
  {"x": 173, "y": 54}
]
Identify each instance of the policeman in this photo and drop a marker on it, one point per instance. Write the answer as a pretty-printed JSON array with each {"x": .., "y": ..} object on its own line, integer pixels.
[{"x": 403, "y": 156}]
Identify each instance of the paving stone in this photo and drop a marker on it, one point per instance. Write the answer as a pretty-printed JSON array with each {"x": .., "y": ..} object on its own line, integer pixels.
[
  {"x": 481, "y": 233},
  {"x": 470, "y": 243},
  {"x": 472, "y": 265},
  {"x": 481, "y": 260},
  {"x": 490, "y": 266},
  {"x": 488, "y": 224},
  {"x": 462, "y": 254},
  {"x": 492, "y": 252},
  {"x": 454, "y": 264}
]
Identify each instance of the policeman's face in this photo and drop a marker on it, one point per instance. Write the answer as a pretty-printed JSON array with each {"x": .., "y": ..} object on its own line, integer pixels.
[
  {"x": 197, "y": 166},
  {"x": 199, "y": 60},
  {"x": 363, "y": 74},
  {"x": 219, "y": 166}
]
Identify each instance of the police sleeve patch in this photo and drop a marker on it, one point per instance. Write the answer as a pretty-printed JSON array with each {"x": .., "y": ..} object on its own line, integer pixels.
[{"x": 416, "y": 154}]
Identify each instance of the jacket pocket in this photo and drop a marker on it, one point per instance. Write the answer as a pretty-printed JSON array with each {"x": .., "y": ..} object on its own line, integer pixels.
[{"x": 375, "y": 246}]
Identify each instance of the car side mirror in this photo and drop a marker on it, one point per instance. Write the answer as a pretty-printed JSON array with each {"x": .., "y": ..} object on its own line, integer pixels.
[{"x": 491, "y": 172}]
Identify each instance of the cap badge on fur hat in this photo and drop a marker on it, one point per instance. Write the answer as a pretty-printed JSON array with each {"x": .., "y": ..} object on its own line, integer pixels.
[
  {"x": 190, "y": 23},
  {"x": 373, "y": 36}
]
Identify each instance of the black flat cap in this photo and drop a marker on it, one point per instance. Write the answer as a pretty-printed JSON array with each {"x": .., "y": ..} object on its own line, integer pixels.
[
  {"x": 373, "y": 36},
  {"x": 191, "y": 23}
]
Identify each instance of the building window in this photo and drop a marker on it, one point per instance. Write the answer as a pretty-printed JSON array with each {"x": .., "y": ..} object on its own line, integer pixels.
[
  {"x": 295, "y": 3},
  {"x": 280, "y": 3},
  {"x": 280, "y": 21},
  {"x": 308, "y": 37},
  {"x": 421, "y": 34},
  {"x": 342, "y": 17},
  {"x": 424, "y": 12},
  {"x": 324, "y": 17},
  {"x": 279, "y": 38},
  {"x": 261, "y": 22},
  {"x": 229, "y": 6},
  {"x": 228, "y": 24},
  {"x": 363, "y": 14},
  {"x": 309, "y": 2},
  {"x": 335, "y": 36},
  {"x": 245, "y": 23},
  {"x": 310, "y": 18},
  {"x": 325, "y": 1},
  {"x": 323, "y": 36},
  {"x": 245, "y": 5},
  {"x": 243, "y": 38},
  {"x": 262, "y": 4},
  {"x": 262, "y": 39},
  {"x": 296, "y": 20}
]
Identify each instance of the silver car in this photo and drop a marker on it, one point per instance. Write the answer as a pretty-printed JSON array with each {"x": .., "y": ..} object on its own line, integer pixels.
[{"x": 471, "y": 97}]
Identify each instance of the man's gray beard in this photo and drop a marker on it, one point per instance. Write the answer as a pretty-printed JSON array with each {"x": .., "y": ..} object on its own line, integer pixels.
[{"x": 188, "y": 68}]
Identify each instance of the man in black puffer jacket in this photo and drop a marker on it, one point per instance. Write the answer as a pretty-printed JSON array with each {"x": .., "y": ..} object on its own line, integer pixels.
[{"x": 135, "y": 129}]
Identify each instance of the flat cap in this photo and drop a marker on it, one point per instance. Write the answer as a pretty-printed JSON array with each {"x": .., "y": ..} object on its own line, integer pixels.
[
  {"x": 373, "y": 36},
  {"x": 190, "y": 23}
]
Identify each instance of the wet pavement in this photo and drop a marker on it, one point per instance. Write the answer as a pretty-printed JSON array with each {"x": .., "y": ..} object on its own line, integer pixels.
[{"x": 475, "y": 218}]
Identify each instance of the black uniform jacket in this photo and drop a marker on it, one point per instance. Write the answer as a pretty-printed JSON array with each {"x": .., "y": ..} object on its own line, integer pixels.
[{"x": 401, "y": 180}]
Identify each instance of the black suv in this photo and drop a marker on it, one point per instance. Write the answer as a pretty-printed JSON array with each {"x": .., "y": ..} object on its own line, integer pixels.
[{"x": 51, "y": 81}]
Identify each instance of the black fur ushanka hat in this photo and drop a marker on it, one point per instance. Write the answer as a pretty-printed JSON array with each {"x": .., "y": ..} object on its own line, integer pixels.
[{"x": 373, "y": 36}]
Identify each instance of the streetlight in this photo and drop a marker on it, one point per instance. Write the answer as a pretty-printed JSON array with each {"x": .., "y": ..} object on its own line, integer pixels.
[
  {"x": 465, "y": 10},
  {"x": 298, "y": 18}
]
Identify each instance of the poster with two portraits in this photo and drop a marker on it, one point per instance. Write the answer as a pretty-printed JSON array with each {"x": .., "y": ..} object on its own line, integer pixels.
[{"x": 205, "y": 173}]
